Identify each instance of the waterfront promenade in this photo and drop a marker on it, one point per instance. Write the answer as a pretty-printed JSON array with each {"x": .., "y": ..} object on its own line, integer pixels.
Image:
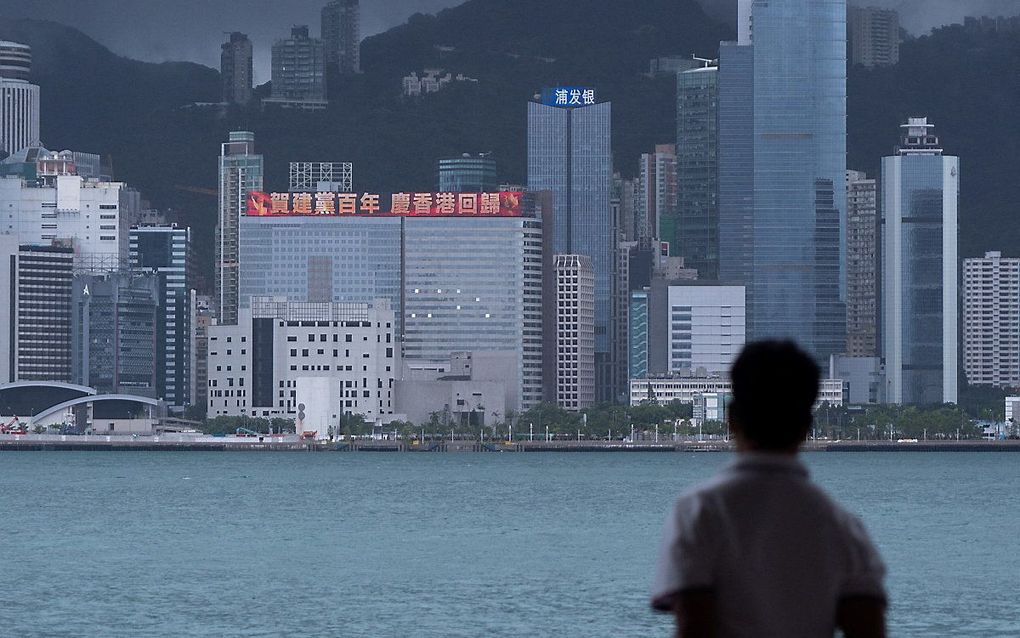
[{"x": 290, "y": 442}]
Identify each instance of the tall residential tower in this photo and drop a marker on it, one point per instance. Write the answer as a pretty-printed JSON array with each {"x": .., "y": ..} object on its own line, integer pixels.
[
  {"x": 341, "y": 35},
  {"x": 236, "y": 69}
]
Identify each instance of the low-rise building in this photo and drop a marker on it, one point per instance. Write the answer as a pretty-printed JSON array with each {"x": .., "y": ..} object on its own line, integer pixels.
[
  {"x": 663, "y": 390},
  {"x": 280, "y": 349}
]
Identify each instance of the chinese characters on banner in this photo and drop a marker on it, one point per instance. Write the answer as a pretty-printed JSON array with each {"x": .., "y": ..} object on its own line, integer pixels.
[{"x": 501, "y": 204}]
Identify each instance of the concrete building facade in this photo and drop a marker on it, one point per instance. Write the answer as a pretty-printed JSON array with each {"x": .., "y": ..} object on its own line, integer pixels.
[
  {"x": 575, "y": 332},
  {"x": 299, "y": 72},
  {"x": 861, "y": 265},
  {"x": 873, "y": 36},
  {"x": 991, "y": 320},
  {"x": 341, "y": 35},
  {"x": 342, "y": 358},
  {"x": 236, "y": 69},
  {"x": 706, "y": 328},
  {"x": 95, "y": 217}
]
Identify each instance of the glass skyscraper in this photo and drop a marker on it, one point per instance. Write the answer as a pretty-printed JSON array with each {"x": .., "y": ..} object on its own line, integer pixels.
[
  {"x": 570, "y": 155},
  {"x": 920, "y": 192},
  {"x": 467, "y": 174},
  {"x": 793, "y": 269},
  {"x": 475, "y": 284},
  {"x": 321, "y": 259},
  {"x": 697, "y": 143}
]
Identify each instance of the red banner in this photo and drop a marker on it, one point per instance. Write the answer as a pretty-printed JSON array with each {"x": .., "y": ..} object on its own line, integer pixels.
[{"x": 501, "y": 204}]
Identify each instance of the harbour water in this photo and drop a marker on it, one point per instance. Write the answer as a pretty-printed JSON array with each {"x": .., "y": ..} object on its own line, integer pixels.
[{"x": 330, "y": 544}]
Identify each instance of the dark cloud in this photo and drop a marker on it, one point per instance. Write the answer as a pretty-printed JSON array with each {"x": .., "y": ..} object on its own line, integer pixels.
[{"x": 160, "y": 30}]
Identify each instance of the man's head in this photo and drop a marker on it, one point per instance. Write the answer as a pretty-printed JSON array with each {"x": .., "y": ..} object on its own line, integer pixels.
[{"x": 775, "y": 385}]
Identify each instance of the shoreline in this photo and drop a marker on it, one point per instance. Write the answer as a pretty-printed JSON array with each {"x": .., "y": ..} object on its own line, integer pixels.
[{"x": 290, "y": 443}]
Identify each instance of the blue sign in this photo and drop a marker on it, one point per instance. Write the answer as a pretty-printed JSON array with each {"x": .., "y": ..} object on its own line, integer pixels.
[{"x": 568, "y": 96}]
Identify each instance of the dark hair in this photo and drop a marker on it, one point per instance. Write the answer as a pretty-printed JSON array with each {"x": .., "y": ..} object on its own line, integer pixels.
[{"x": 775, "y": 384}]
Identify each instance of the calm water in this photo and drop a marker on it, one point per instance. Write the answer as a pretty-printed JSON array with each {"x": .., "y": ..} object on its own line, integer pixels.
[{"x": 292, "y": 544}]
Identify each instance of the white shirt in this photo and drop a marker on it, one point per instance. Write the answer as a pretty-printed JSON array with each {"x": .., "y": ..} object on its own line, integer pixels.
[{"x": 776, "y": 550}]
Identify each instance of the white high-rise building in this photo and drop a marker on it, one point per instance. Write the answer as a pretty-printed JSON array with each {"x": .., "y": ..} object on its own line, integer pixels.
[
  {"x": 706, "y": 328},
  {"x": 240, "y": 173},
  {"x": 920, "y": 199},
  {"x": 94, "y": 216},
  {"x": 991, "y": 320},
  {"x": 19, "y": 99},
  {"x": 575, "y": 332}
]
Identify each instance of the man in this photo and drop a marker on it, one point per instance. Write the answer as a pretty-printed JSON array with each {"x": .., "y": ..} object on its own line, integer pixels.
[{"x": 761, "y": 551}]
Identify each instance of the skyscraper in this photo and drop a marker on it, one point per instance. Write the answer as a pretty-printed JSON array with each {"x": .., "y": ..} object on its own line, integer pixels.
[
  {"x": 114, "y": 332},
  {"x": 467, "y": 174},
  {"x": 697, "y": 166},
  {"x": 873, "y": 36},
  {"x": 240, "y": 173},
  {"x": 991, "y": 320},
  {"x": 920, "y": 193},
  {"x": 236, "y": 69},
  {"x": 656, "y": 194},
  {"x": 299, "y": 72},
  {"x": 19, "y": 99},
  {"x": 861, "y": 265},
  {"x": 341, "y": 35},
  {"x": 575, "y": 332},
  {"x": 790, "y": 252},
  {"x": 165, "y": 251},
  {"x": 474, "y": 284},
  {"x": 569, "y": 154}
]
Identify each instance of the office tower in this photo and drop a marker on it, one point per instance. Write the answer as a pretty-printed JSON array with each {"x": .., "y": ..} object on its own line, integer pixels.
[
  {"x": 706, "y": 327},
  {"x": 236, "y": 69},
  {"x": 335, "y": 177},
  {"x": 619, "y": 335},
  {"x": 697, "y": 166},
  {"x": 291, "y": 359},
  {"x": 575, "y": 332},
  {"x": 35, "y": 303},
  {"x": 861, "y": 265},
  {"x": 165, "y": 251},
  {"x": 46, "y": 200},
  {"x": 467, "y": 174},
  {"x": 341, "y": 35},
  {"x": 790, "y": 253},
  {"x": 569, "y": 154},
  {"x": 474, "y": 284},
  {"x": 655, "y": 205},
  {"x": 19, "y": 99},
  {"x": 920, "y": 195},
  {"x": 736, "y": 163},
  {"x": 991, "y": 320},
  {"x": 240, "y": 174},
  {"x": 299, "y": 72},
  {"x": 873, "y": 36},
  {"x": 321, "y": 259},
  {"x": 114, "y": 319},
  {"x": 638, "y": 335}
]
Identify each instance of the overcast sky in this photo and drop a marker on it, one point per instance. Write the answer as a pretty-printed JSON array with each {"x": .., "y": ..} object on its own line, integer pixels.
[{"x": 160, "y": 30}]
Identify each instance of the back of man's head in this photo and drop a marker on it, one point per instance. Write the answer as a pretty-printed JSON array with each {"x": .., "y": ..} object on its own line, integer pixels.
[{"x": 775, "y": 385}]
